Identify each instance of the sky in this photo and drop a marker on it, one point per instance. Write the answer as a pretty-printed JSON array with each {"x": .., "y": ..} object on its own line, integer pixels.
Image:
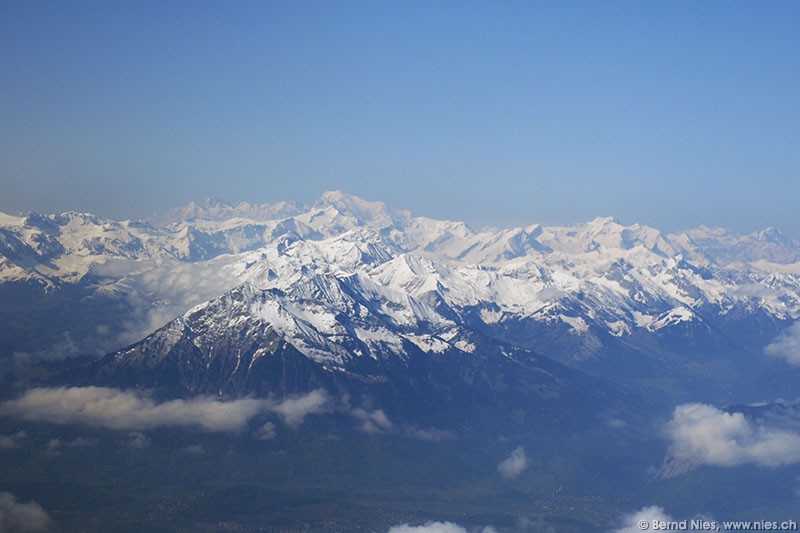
[{"x": 672, "y": 114}]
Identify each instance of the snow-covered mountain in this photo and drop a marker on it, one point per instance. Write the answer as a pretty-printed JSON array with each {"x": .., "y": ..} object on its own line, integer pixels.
[
  {"x": 342, "y": 275},
  {"x": 366, "y": 341}
]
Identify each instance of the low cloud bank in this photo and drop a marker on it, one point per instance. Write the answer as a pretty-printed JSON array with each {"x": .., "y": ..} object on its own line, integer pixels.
[
  {"x": 18, "y": 516},
  {"x": 135, "y": 411},
  {"x": 123, "y": 410},
  {"x": 178, "y": 285},
  {"x": 156, "y": 291},
  {"x": 786, "y": 345},
  {"x": 294, "y": 410},
  {"x": 126, "y": 410},
  {"x": 514, "y": 465},
  {"x": 435, "y": 527},
  {"x": 704, "y": 435}
]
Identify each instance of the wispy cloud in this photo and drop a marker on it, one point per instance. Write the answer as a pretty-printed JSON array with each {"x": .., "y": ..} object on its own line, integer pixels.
[
  {"x": 429, "y": 527},
  {"x": 136, "y": 411},
  {"x": 704, "y": 435},
  {"x": 514, "y": 465},
  {"x": 294, "y": 409},
  {"x": 194, "y": 449},
  {"x": 156, "y": 291},
  {"x": 616, "y": 423},
  {"x": 536, "y": 524},
  {"x": 179, "y": 287},
  {"x": 80, "y": 442},
  {"x": 138, "y": 440},
  {"x": 632, "y": 523},
  {"x": 126, "y": 410},
  {"x": 647, "y": 516},
  {"x": 53, "y": 447},
  {"x": 435, "y": 527},
  {"x": 12, "y": 441},
  {"x": 430, "y": 434},
  {"x": 786, "y": 345},
  {"x": 18, "y": 516},
  {"x": 116, "y": 409},
  {"x": 266, "y": 432},
  {"x": 374, "y": 421}
]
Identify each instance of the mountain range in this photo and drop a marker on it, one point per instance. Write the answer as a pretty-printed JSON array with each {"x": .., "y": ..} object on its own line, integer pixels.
[{"x": 576, "y": 344}]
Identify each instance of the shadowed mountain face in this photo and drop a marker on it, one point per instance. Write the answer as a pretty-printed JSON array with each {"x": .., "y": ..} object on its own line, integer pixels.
[
  {"x": 247, "y": 343},
  {"x": 576, "y": 348},
  {"x": 468, "y": 421}
]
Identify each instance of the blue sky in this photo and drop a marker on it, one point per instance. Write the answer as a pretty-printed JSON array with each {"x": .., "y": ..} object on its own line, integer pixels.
[{"x": 673, "y": 114}]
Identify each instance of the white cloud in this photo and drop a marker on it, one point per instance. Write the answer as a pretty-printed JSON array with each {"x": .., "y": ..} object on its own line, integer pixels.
[
  {"x": 126, "y": 410},
  {"x": 79, "y": 442},
  {"x": 372, "y": 421},
  {"x": 786, "y": 345},
  {"x": 138, "y": 440},
  {"x": 702, "y": 434},
  {"x": 159, "y": 290},
  {"x": 194, "y": 449},
  {"x": 294, "y": 409},
  {"x": 538, "y": 524},
  {"x": 52, "y": 447},
  {"x": 514, "y": 465},
  {"x": 12, "y": 441},
  {"x": 116, "y": 409},
  {"x": 266, "y": 432},
  {"x": 17, "y": 516},
  {"x": 156, "y": 291},
  {"x": 630, "y": 522},
  {"x": 431, "y": 434},
  {"x": 435, "y": 527},
  {"x": 429, "y": 527},
  {"x": 616, "y": 423}
]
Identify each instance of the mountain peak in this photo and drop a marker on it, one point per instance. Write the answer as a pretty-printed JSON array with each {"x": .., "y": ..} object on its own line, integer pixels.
[
  {"x": 10, "y": 220},
  {"x": 360, "y": 209},
  {"x": 336, "y": 196},
  {"x": 339, "y": 198},
  {"x": 771, "y": 234},
  {"x": 604, "y": 221},
  {"x": 213, "y": 201}
]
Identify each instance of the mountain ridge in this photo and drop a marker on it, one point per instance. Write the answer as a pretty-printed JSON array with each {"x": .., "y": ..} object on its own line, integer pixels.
[
  {"x": 579, "y": 294},
  {"x": 345, "y": 336}
]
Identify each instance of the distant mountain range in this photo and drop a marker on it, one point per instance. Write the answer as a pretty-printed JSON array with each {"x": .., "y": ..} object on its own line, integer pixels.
[
  {"x": 622, "y": 302},
  {"x": 547, "y": 336}
]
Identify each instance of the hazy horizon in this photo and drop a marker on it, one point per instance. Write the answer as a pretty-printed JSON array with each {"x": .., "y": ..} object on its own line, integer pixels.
[
  {"x": 158, "y": 215},
  {"x": 673, "y": 116}
]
